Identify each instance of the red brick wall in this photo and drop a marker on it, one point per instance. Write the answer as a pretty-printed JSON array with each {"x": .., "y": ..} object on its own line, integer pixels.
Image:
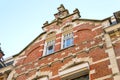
[
  {"x": 84, "y": 37},
  {"x": 101, "y": 70}
]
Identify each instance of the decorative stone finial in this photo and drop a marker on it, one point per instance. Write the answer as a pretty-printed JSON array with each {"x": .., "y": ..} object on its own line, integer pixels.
[
  {"x": 46, "y": 23},
  {"x": 76, "y": 11},
  {"x": 61, "y": 8},
  {"x": 62, "y": 12},
  {"x": 117, "y": 16}
]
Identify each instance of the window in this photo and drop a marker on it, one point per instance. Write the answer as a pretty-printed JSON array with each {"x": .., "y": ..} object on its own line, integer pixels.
[
  {"x": 67, "y": 40},
  {"x": 44, "y": 78},
  {"x": 84, "y": 77},
  {"x": 75, "y": 72},
  {"x": 50, "y": 47}
]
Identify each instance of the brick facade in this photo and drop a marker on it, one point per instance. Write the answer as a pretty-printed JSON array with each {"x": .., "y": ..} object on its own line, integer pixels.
[{"x": 92, "y": 45}]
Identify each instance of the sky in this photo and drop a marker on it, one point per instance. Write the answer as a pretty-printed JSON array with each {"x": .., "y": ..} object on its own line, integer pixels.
[{"x": 21, "y": 21}]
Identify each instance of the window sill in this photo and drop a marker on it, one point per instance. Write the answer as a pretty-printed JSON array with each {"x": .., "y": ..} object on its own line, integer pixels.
[{"x": 57, "y": 51}]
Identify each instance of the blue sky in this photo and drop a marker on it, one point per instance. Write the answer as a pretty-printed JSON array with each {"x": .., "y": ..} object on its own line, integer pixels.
[{"x": 21, "y": 20}]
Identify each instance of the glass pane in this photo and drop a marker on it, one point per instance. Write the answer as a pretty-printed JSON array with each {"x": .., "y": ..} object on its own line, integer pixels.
[
  {"x": 68, "y": 40},
  {"x": 50, "y": 49},
  {"x": 85, "y": 77}
]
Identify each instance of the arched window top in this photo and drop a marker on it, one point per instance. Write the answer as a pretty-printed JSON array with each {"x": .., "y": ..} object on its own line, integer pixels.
[
  {"x": 67, "y": 28},
  {"x": 51, "y": 34},
  {"x": 67, "y": 36},
  {"x": 50, "y": 43}
]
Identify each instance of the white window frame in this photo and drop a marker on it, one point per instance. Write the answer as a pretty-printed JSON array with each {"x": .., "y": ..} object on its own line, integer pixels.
[
  {"x": 48, "y": 44},
  {"x": 82, "y": 68},
  {"x": 50, "y": 36},
  {"x": 65, "y": 37}
]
